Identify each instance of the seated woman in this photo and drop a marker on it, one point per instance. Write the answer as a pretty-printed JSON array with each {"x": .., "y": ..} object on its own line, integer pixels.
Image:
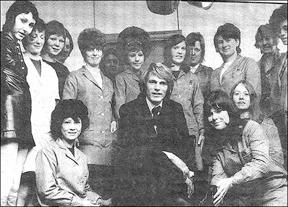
[
  {"x": 241, "y": 163},
  {"x": 152, "y": 143},
  {"x": 244, "y": 99},
  {"x": 61, "y": 168}
]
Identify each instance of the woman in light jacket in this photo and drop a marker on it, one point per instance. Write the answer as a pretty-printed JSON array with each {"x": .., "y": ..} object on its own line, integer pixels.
[
  {"x": 61, "y": 168},
  {"x": 244, "y": 98},
  {"x": 235, "y": 67},
  {"x": 186, "y": 91},
  {"x": 134, "y": 44},
  {"x": 89, "y": 85},
  {"x": 241, "y": 166}
]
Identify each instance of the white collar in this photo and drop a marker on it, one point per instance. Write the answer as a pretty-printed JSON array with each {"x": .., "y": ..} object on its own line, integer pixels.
[
  {"x": 33, "y": 57},
  {"x": 91, "y": 69},
  {"x": 228, "y": 63},
  {"x": 194, "y": 68}
]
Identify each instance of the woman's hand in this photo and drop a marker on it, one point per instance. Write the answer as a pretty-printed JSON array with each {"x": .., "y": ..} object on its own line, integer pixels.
[
  {"x": 95, "y": 200},
  {"x": 92, "y": 196},
  {"x": 107, "y": 202},
  {"x": 113, "y": 126},
  {"x": 189, "y": 178},
  {"x": 222, "y": 188},
  {"x": 190, "y": 185},
  {"x": 87, "y": 202}
]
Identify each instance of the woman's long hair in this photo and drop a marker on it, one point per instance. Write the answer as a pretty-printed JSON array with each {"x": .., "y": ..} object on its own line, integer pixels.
[
  {"x": 255, "y": 112},
  {"x": 19, "y": 7},
  {"x": 171, "y": 42},
  {"x": 220, "y": 101}
]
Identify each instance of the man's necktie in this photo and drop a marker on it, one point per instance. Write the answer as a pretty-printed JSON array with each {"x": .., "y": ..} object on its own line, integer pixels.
[{"x": 156, "y": 111}]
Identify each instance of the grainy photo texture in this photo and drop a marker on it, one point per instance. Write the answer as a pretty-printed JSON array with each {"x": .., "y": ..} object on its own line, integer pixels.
[{"x": 144, "y": 103}]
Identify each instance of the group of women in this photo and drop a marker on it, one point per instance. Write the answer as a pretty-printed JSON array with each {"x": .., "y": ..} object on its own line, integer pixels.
[{"x": 76, "y": 145}]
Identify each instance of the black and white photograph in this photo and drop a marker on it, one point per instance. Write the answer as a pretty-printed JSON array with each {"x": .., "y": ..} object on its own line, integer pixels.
[{"x": 144, "y": 103}]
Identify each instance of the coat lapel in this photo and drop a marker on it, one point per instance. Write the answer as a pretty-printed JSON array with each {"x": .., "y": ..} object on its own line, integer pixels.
[
  {"x": 90, "y": 77},
  {"x": 231, "y": 67},
  {"x": 143, "y": 109},
  {"x": 182, "y": 73},
  {"x": 67, "y": 151},
  {"x": 133, "y": 76},
  {"x": 200, "y": 67}
]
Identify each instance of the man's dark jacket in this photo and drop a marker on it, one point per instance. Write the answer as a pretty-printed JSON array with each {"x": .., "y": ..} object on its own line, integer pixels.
[
  {"x": 144, "y": 174},
  {"x": 136, "y": 127}
]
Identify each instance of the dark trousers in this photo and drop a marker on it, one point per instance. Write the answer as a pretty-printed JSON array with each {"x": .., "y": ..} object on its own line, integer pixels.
[
  {"x": 101, "y": 179},
  {"x": 147, "y": 177},
  {"x": 279, "y": 120}
]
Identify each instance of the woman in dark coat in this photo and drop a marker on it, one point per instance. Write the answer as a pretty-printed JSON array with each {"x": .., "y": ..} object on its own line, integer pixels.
[{"x": 16, "y": 136}]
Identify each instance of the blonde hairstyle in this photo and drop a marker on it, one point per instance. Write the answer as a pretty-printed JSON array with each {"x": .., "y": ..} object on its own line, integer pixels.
[{"x": 161, "y": 71}]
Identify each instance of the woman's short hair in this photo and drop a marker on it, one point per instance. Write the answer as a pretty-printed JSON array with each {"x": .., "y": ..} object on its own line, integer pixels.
[
  {"x": 161, "y": 71},
  {"x": 192, "y": 38},
  {"x": 68, "y": 109},
  {"x": 227, "y": 31},
  {"x": 19, "y": 7},
  {"x": 265, "y": 31},
  {"x": 40, "y": 26},
  {"x": 91, "y": 38},
  {"x": 133, "y": 39},
  {"x": 278, "y": 16},
  {"x": 253, "y": 98},
  {"x": 54, "y": 27},
  {"x": 171, "y": 42},
  {"x": 219, "y": 100}
]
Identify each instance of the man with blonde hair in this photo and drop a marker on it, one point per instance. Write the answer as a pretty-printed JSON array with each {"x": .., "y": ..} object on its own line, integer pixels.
[{"x": 153, "y": 146}]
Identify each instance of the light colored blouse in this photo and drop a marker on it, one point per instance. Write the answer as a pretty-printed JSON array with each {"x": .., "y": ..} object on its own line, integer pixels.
[
  {"x": 61, "y": 177},
  {"x": 248, "y": 160},
  {"x": 96, "y": 142},
  {"x": 127, "y": 89}
]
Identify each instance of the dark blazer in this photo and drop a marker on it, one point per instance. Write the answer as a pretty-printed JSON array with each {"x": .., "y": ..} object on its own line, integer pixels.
[
  {"x": 143, "y": 173},
  {"x": 270, "y": 93},
  {"x": 136, "y": 127},
  {"x": 203, "y": 74},
  {"x": 15, "y": 94}
]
